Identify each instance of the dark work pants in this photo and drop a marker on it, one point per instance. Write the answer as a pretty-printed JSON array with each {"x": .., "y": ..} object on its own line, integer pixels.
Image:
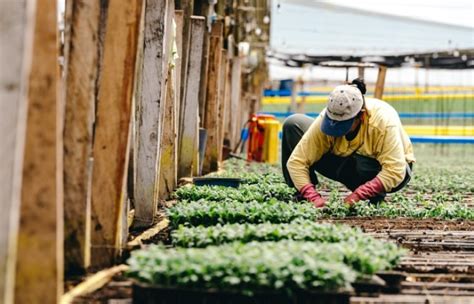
[{"x": 351, "y": 171}]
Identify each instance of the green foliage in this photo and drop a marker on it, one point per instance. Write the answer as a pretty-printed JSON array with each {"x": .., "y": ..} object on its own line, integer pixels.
[
  {"x": 207, "y": 213},
  {"x": 285, "y": 265},
  {"x": 245, "y": 193},
  {"x": 400, "y": 206},
  {"x": 297, "y": 230}
]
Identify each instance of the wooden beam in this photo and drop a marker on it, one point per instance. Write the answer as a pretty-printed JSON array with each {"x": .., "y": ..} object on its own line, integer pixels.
[
  {"x": 15, "y": 39},
  {"x": 39, "y": 265},
  {"x": 211, "y": 115},
  {"x": 81, "y": 75},
  {"x": 189, "y": 124},
  {"x": 204, "y": 78},
  {"x": 236, "y": 100},
  {"x": 222, "y": 106},
  {"x": 379, "y": 86},
  {"x": 149, "y": 113},
  {"x": 178, "y": 17},
  {"x": 112, "y": 129},
  {"x": 92, "y": 283},
  {"x": 227, "y": 101},
  {"x": 168, "y": 147}
]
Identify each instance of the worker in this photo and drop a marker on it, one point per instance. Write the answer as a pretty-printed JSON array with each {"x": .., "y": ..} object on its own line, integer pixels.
[{"x": 357, "y": 141}]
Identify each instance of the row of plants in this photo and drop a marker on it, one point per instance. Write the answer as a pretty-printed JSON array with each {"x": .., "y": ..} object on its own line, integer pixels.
[
  {"x": 248, "y": 192},
  {"x": 286, "y": 265},
  {"x": 228, "y": 211}
]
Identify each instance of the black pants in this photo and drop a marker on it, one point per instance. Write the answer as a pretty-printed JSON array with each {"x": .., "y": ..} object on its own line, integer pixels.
[{"x": 352, "y": 171}]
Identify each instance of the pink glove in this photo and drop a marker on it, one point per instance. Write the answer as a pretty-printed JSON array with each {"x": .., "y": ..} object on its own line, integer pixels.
[
  {"x": 366, "y": 191},
  {"x": 310, "y": 194}
]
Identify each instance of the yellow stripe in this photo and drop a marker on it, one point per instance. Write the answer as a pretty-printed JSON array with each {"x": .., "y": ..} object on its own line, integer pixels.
[
  {"x": 405, "y": 89},
  {"x": 323, "y": 99},
  {"x": 440, "y": 130}
]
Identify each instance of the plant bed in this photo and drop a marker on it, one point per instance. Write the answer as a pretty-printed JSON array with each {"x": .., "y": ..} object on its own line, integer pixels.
[
  {"x": 208, "y": 213},
  {"x": 154, "y": 294},
  {"x": 299, "y": 230},
  {"x": 276, "y": 266}
]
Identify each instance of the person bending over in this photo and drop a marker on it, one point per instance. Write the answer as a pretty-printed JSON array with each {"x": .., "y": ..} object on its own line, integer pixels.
[{"x": 357, "y": 141}]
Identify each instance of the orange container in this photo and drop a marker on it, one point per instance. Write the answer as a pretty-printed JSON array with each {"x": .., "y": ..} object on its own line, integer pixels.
[{"x": 256, "y": 141}]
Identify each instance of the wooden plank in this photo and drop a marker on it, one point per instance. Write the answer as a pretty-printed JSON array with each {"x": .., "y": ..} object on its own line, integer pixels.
[
  {"x": 236, "y": 99},
  {"x": 178, "y": 17},
  {"x": 148, "y": 234},
  {"x": 92, "y": 283},
  {"x": 228, "y": 105},
  {"x": 168, "y": 148},
  {"x": 189, "y": 123},
  {"x": 15, "y": 39},
  {"x": 222, "y": 105},
  {"x": 211, "y": 115},
  {"x": 379, "y": 86},
  {"x": 149, "y": 117},
  {"x": 112, "y": 129},
  {"x": 81, "y": 75},
  {"x": 39, "y": 265},
  {"x": 187, "y": 7}
]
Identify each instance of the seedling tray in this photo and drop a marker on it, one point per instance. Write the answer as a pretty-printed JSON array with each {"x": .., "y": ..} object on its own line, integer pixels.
[
  {"x": 153, "y": 294},
  {"x": 218, "y": 181}
]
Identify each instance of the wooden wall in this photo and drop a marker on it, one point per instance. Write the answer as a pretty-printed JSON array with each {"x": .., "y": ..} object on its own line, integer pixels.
[{"x": 99, "y": 122}]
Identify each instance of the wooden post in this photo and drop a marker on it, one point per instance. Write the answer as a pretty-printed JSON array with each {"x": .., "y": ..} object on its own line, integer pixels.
[
  {"x": 15, "y": 46},
  {"x": 228, "y": 105},
  {"x": 112, "y": 129},
  {"x": 149, "y": 118},
  {"x": 39, "y": 265},
  {"x": 211, "y": 115},
  {"x": 187, "y": 6},
  {"x": 361, "y": 72},
  {"x": 168, "y": 148},
  {"x": 178, "y": 17},
  {"x": 236, "y": 100},
  {"x": 379, "y": 86},
  {"x": 189, "y": 124},
  {"x": 222, "y": 105},
  {"x": 81, "y": 74}
]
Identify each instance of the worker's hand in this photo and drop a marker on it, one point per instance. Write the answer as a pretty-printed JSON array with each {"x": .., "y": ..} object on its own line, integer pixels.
[
  {"x": 311, "y": 195},
  {"x": 352, "y": 198},
  {"x": 366, "y": 191}
]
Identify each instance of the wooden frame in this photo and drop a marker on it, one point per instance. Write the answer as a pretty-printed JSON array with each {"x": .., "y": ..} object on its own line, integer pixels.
[
  {"x": 15, "y": 39},
  {"x": 81, "y": 73},
  {"x": 189, "y": 125},
  {"x": 39, "y": 265},
  {"x": 149, "y": 114},
  {"x": 112, "y": 129},
  {"x": 211, "y": 114}
]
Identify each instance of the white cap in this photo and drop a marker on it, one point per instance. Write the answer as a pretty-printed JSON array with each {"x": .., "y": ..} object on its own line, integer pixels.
[{"x": 344, "y": 102}]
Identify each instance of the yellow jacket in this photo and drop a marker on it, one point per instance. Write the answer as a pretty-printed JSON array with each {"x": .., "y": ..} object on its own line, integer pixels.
[{"x": 381, "y": 136}]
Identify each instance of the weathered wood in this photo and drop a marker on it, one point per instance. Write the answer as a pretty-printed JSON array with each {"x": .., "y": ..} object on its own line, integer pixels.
[
  {"x": 187, "y": 6},
  {"x": 39, "y": 265},
  {"x": 189, "y": 124},
  {"x": 15, "y": 39},
  {"x": 112, "y": 129},
  {"x": 204, "y": 78},
  {"x": 222, "y": 106},
  {"x": 228, "y": 105},
  {"x": 211, "y": 115},
  {"x": 92, "y": 283},
  {"x": 236, "y": 99},
  {"x": 149, "y": 117},
  {"x": 81, "y": 73},
  {"x": 178, "y": 17},
  {"x": 379, "y": 86},
  {"x": 148, "y": 234},
  {"x": 168, "y": 147}
]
